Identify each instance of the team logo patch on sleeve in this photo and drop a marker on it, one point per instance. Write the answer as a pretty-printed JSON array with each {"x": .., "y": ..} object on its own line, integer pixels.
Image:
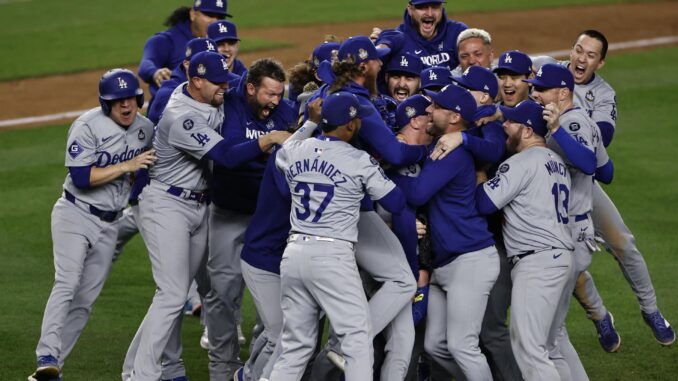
[
  {"x": 504, "y": 168},
  {"x": 188, "y": 124},
  {"x": 75, "y": 149},
  {"x": 574, "y": 126},
  {"x": 141, "y": 135}
]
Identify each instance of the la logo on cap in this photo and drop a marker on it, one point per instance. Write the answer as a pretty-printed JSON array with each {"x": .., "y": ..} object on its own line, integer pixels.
[
  {"x": 508, "y": 59},
  {"x": 201, "y": 69},
  {"x": 539, "y": 73},
  {"x": 220, "y": 3},
  {"x": 224, "y": 63},
  {"x": 210, "y": 47},
  {"x": 432, "y": 76},
  {"x": 403, "y": 61},
  {"x": 223, "y": 28},
  {"x": 121, "y": 83}
]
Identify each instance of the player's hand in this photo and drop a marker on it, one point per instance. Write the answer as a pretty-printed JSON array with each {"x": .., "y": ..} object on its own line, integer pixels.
[
  {"x": 278, "y": 137},
  {"x": 485, "y": 120},
  {"x": 446, "y": 144},
  {"x": 481, "y": 177},
  {"x": 552, "y": 117},
  {"x": 421, "y": 229},
  {"x": 142, "y": 161},
  {"x": 375, "y": 34},
  {"x": 401, "y": 138},
  {"x": 314, "y": 110},
  {"x": 160, "y": 75},
  {"x": 420, "y": 305}
]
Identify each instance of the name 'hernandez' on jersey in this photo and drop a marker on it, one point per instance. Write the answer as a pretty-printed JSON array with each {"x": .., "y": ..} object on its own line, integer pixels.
[
  {"x": 328, "y": 179},
  {"x": 186, "y": 131},
  {"x": 94, "y": 139}
]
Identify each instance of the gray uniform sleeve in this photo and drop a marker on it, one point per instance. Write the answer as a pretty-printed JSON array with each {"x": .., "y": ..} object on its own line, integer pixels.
[
  {"x": 601, "y": 153},
  {"x": 510, "y": 180},
  {"x": 605, "y": 106},
  {"x": 192, "y": 134},
  {"x": 376, "y": 183},
  {"x": 304, "y": 132},
  {"x": 81, "y": 145}
]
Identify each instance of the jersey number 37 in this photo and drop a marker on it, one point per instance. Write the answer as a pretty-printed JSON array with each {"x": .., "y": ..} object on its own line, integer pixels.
[{"x": 307, "y": 194}]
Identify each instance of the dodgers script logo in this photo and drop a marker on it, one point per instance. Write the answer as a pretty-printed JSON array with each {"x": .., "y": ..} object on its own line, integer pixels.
[{"x": 105, "y": 158}]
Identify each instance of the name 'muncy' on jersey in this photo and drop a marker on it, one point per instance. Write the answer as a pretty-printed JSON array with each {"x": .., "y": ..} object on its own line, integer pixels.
[{"x": 328, "y": 179}]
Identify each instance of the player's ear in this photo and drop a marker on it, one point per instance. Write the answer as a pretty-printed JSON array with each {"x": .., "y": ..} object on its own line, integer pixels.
[
  {"x": 251, "y": 90},
  {"x": 600, "y": 64},
  {"x": 192, "y": 15},
  {"x": 363, "y": 67}
]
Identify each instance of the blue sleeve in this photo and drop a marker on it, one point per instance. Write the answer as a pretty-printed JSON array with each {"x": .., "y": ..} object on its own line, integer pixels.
[
  {"x": 605, "y": 173},
  {"x": 607, "y": 131},
  {"x": 394, "y": 201},
  {"x": 234, "y": 156},
  {"x": 484, "y": 205},
  {"x": 385, "y": 144},
  {"x": 434, "y": 175},
  {"x": 80, "y": 176},
  {"x": 490, "y": 148},
  {"x": 157, "y": 52},
  {"x": 278, "y": 177},
  {"x": 141, "y": 179},
  {"x": 405, "y": 228},
  {"x": 579, "y": 155},
  {"x": 395, "y": 39},
  {"x": 158, "y": 105}
]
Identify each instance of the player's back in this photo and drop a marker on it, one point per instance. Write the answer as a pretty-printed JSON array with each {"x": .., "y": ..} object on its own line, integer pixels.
[
  {"x": 536, "y": 218},
  {"x": 328, "y": 178}
]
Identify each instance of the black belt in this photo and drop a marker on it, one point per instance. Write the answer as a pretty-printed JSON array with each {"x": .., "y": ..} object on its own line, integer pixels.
[
  {"x": 581, "y": 217},
  {"x": 526, "y": 253},
  {"x": 104, "y": 215},
  {"x": 188, "y": 194}
]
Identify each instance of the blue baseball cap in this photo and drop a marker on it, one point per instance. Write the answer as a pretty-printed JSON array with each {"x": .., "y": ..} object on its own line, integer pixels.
[
  {"x": 457, "y": 99},
  {"x": 197, "y": 45},
  {"x": 411, "y": 107},
  {"x": 405, "y": 63},
  {"x": 222, "y": 30},
  {"x": 362, "y": 49},
  {"x": 342, "y": 107},
  {"x": 553, "y": 76},
  {"x": 514, "y": 61},
  {"x": 323, "y": 52},
  {"x": 435, "y": 78},
  {"x": 211, "y": 66},
  {"x": 529, "y": 113},
  {"x": 420, "y": 2},
  {"x": 218, "y": 7},
  {"x": 479, "y": 79}
]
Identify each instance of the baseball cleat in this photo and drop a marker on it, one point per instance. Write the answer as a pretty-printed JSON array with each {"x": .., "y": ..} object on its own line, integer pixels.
[
  {"x": 239, "y": 374},
  {"x": 661, "y": 328},
  {"x": 607, "y": 335},
  {"x": 205, "y": 340},
  {"x": 241, "y": 337},
  {"x": 336, "y": 359},
  {"x": 47, "y": 368}
]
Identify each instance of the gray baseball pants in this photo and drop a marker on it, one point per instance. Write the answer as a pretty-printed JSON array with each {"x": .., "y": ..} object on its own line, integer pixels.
[
  {"x": 222, "y": 303},
  {"x": 458, "y": 296},
  {"x": 539, "y": 284},
  {"x": 322, "y": 275},
  {"x": 175, "y": 233},
  {"x": 83, "y": 250},
  {"x": 621, "y": 243}
]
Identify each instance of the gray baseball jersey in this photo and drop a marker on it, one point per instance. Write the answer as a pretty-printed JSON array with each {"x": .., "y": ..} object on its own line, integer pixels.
[
  {"x": 183, "y": 138},
  {"x": 95, "y": 139},
  {"x": 532, "y": 187},
  {"x": 596, "y": 97},
  {"x": 327, "y": 180},
  {"x": 585, "y": 131}
]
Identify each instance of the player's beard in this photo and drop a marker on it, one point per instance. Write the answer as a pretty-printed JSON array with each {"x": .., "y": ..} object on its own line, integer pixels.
[
  {"x": 513, "y": 141},
  {"x": 257, "y": 108}
]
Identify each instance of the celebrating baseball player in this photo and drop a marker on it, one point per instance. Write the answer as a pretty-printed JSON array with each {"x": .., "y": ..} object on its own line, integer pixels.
[
  {"x": 328, "y": 178},
  {"x": 165, "y": 50},
  {"x": 225, "y": 34},
  {"x": 475, "y": 49},
  {"x": 539, "y": 247},
  {"x": 105, "y": 146}
]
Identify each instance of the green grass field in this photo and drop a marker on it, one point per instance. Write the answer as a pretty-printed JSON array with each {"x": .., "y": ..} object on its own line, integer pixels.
[
  {"x": 644, "y": 190},
  {"x": 41, "y": 37}
]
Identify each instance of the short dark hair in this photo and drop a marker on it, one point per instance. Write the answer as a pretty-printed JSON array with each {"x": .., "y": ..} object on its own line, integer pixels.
[
  {"x": 177, "y": 16},
  {"x": 328, "y": 127},
  {"x": 265, "y": 67},
  {"x": 598, "y": 36}
]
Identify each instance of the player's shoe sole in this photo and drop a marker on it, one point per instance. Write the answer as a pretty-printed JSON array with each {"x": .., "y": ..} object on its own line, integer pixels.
[{"x": 336, "y": 359}]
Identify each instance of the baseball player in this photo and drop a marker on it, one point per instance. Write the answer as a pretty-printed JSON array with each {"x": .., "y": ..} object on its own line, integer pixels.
[
  {"x": 164, "y": 51},
  {"x": 257, "y": 120},
  {"x": 534, "y": 182},
  {"x": 402, "y": 76},
  {"x": 579, "y": 144},
  {"x": 328, "y": 178},
  {"x": 592, "y": 93},
  {"x": 512, "y": 68},
  {"x": 466, "y": 264},
  {"x": 425, "y": 32},
  {"x": 104, "y": 147},
  {"x": 225, "y": 34},
  {"x": 475, "y": 49},
  {"x": 173, "y": 207}
]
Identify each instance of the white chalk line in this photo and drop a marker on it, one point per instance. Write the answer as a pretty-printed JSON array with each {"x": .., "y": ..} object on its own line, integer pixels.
[{"x": 643, "y": 43}]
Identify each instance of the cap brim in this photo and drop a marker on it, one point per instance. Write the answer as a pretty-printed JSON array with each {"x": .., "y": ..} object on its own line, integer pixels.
[
  {"x": 536, "y": 82},
  {"x": 498, "y": 70},
  {"x": 436, "y": 96},
  {"x": 223, "y": 78},
  {"x": 365, "y": 110},
  {"x": 325, "y": 72},
  {"x": 218, "y": 40},
  {"x": 510, "y": 113},
  {"x": 381, "y": 52},
  {"x": 407, "y": 72},
  {"x": 461, "y": 81}
]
